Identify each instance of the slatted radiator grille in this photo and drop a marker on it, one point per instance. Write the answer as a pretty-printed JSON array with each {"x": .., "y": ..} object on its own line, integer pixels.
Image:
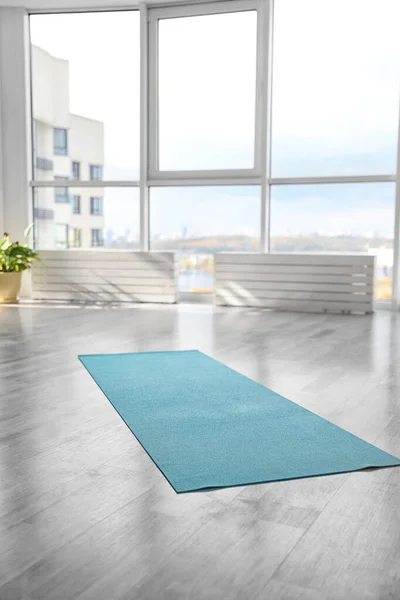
[
  {"x": 105, "y": 276},
  {"x": 299, "y": 282}
]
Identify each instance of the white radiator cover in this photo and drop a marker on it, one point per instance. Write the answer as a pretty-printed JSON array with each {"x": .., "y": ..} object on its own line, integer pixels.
[
  {"x": 105, "y": 276},
  {"x": 297, "y": 282}
]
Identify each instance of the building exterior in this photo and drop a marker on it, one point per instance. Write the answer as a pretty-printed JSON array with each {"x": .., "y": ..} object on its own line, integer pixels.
[{"x": 66, "y": 147}]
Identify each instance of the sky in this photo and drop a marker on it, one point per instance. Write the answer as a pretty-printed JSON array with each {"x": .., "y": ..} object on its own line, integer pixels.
[
  {"x": 207, "y": 74},
  {"x": 335, "y": 108},
  {"x": 336, "y": 85}
]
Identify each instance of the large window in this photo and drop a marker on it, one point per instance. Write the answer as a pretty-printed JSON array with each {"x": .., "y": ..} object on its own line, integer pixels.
[
  {"x": 206, "y": 102},
  {"x": 85, "y": 79},
  {"x": 119, "y": 220},
  {"x": 261, "y": 126},
  {"x": 335, "y": 87},
  {"x": 355, "y": 218},
  {"x": 196, "y": 222}
]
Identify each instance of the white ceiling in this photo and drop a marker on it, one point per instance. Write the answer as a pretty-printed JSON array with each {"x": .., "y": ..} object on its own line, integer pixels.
[{"x": 78, "y": 4}]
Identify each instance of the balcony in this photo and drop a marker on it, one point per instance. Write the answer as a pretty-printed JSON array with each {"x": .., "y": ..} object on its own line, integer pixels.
[
  {"x": 43, "y": 213},
  {"x": 44, "y": 164},
  {"x": 61, "y": 195}
]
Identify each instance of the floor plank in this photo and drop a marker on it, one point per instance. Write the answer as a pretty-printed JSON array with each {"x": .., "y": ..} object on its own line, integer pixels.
[{"x": 85, "y": 514}]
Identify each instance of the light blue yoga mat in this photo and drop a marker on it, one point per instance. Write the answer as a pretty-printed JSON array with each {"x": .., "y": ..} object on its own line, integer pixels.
[{"x": 207, "y": 426}]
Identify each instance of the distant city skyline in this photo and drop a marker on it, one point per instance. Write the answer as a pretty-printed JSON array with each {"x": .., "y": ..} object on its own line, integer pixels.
[{"x": 335, "y": 208}]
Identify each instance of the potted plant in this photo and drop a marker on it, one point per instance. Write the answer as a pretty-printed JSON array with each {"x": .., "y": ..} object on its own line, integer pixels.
[{"x": 14, "y": 259}]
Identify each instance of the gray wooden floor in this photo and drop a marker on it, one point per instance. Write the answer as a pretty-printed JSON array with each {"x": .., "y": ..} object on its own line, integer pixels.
[{"x": 84, "y": 513}]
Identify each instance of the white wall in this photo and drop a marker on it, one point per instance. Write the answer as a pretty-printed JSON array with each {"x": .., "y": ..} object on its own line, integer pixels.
[
  {"x": 44, "y": 144},
  {"x": 15, "y": 122},
  {"x": 50, "y": 88},
  {"x": 86, "y": 142},
  {"x": 1, "y": 168},
  {"x": 17, "y": 210}
]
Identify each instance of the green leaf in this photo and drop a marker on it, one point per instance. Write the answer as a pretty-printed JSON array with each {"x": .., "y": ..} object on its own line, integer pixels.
[
  {"x": 28, "y": 230},
  {"x": 15, "y": 257},
  {"x": 5, "y": 242}
]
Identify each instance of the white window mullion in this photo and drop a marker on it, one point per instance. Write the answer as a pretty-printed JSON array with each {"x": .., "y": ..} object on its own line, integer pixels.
[
  {"x": 265, "y": 48},
  {"x": 152, "y": 100},
  {"x": 396, "y": 238},
  {"x": 204, "y": 181},
  {"x": 144, "y": 120},
  {"x": 322, "y": 179},
  {"x": 73, "y": 183}
]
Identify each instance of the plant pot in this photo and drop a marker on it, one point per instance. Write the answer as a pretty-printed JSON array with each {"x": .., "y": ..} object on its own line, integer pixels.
[{"x": 10, "y": 284}]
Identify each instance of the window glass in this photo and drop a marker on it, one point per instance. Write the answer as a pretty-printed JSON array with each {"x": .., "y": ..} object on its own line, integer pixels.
[
  {"x": 76, "y": 170},
  {"x": 96, "y": 172},
  {"x": 96, "y": 206},
  {"x": 356, "y": 218},
  {"x": 207, "y": 90},
  {"x": 196, "y": 222},
  {"x": 119, "y": 219},
  {"x": 60, "y": 141},
  {"x": 61, "y": 233},
  {"x": 75, "y": 238},
  {"x": 335, "y": 87},
  {"x": 85, "y": 86},
  {"x": 97, "y": 237},
  {"x": 61, "y": 194},
  {"x": 76, "y": 204}
]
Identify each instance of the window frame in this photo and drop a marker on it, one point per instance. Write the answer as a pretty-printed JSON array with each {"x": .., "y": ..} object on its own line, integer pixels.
[
  {"x": 78, "y": 204},
  {"x": 56, "y": 149},
  {"x": 76, "y": 237},
  {"x": 96, "y": 212},
  {"x": 97, "y": 229},
  {"x": 155, "y": 15},
  {"x": 95, "y": 167},
  {"x": 74, "y": 163},
  {"x": 64, "y": 244},
  {"x": 59, "y": 195}
]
